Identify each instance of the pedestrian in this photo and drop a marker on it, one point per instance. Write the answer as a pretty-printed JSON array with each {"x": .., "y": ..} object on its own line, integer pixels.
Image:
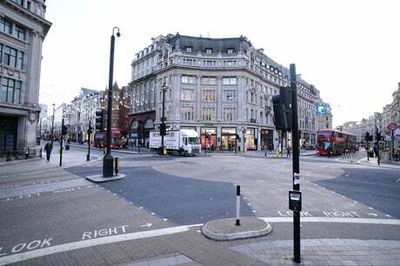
[
  {"x": 288, "y": 149},
  {"x": 48, "y": 147}
]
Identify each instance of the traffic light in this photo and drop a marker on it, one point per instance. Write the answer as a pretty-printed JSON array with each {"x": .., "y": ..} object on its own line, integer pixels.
[
  {"x": 282, "y": 105},
  {"x": 90, "y": 129},
  {"x": 100, "y": 120},
  {"x": 368, "y": 137},
  {"x": 378, "y": 136},
  {"x": 64, "y": 130}
]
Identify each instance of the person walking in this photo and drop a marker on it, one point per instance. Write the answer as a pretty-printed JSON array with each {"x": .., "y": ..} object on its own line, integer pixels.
[
  {"x": 48, "y": 147},
  {"x": 288, "y": 149}
]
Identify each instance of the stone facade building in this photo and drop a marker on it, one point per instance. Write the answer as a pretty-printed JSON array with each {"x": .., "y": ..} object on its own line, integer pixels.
[
  {"x": 221, "y": 88},
  {"x": 22, "y": 31}
]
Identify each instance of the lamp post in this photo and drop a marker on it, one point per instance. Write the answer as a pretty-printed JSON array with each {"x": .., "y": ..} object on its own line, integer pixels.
[
  {"x": 52, "y": 125},
  {"x": 108, "y": 159},
  {"x": 162, "y": 126}
]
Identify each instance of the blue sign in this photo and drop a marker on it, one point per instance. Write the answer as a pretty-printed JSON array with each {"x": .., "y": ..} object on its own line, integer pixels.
[{"x": 322, "y": 109}]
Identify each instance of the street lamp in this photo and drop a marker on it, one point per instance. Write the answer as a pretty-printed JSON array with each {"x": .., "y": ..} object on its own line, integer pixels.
[
  {"x": 52, "y": 124},
  {"x": 163, "y": 129},
  {"x": 108, "y": 159}
]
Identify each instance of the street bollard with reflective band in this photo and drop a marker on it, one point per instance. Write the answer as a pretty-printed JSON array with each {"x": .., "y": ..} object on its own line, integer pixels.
[
  {"x": 237, "y": 205},
  {"x": 116, "y": 165},
  {"x": 26, "y": 153}
]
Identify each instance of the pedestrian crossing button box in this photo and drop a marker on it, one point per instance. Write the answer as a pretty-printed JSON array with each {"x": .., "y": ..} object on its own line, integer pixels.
[{"x": 295, "y": 200}]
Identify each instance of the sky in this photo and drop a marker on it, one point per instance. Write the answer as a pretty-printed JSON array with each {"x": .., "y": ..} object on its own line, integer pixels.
[{"x": 348, "y": 49}]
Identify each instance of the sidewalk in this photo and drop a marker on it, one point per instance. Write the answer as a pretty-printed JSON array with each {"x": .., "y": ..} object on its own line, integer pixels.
[
  {"x": 188, "y": 247},
  {"x": 383, "y": 163}
]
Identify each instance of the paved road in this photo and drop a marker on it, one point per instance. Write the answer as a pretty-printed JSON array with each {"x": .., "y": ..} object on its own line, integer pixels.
[{"x": 42, "y": 205}]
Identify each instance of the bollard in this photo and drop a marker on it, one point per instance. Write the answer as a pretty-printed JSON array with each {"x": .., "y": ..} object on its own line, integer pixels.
[
  {"x": 26, "y": 152},
  {"x": 116, "y": 165},
  {"x": 8, "y": 156},
  {"x": 41, "y": 150},
  {"x": 238, "y": 205}
]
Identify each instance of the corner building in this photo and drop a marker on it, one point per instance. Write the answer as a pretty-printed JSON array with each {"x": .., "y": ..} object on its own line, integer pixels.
[
  {"x": 222, "y": 88},
  {"x": 22, "y": 31}
]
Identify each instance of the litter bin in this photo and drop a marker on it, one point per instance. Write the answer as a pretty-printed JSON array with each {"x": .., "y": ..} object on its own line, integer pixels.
[{"x": 67, "y": 147}]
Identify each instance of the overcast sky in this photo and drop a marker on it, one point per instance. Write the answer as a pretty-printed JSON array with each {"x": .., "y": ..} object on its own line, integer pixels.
[{"x": 349, "y": 49}]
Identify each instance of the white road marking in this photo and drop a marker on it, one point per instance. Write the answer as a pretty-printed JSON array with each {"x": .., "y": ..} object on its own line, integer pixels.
[
  {"x": 146, "y": 225},
  {"x": 173, "y": 230},
  {"x": 90, "y": 243},
  {"x": 332, "y": 220}
]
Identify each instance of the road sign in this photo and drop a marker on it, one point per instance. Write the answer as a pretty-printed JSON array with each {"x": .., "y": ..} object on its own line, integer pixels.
[{"x": 392, "y": 126}]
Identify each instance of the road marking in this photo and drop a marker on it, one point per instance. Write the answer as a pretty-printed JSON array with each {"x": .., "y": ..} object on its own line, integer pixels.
[
  {"x": 90, "y": 243},
  {"x": 332, "y": 220},
  {"x": 373, "y": 214},
  {"x": 148, "y": 225},
  {"x": 172, "y": 230}
]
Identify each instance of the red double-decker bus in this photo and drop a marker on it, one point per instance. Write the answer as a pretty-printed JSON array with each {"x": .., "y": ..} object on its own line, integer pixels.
[
  {"x": 335, "y": 142},
  {"x": 100, "y": 136}
]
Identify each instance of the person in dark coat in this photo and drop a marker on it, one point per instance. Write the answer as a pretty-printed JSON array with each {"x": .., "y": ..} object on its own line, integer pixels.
[{"x": 48, "y": 147}]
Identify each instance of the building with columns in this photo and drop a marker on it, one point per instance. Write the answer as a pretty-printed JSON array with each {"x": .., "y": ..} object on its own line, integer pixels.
[
  {"x": 221, "y": 88},
  {"x": 22, "y": 31}
]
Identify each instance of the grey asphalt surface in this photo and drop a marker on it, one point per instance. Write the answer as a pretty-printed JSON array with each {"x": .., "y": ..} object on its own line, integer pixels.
[{"x": 40, "y": 201}]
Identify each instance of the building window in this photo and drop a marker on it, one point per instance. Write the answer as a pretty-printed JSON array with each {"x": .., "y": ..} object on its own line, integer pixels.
[
  {"x": 229, "y": 95},
  {"x": 209, "y": 80},
  {"x": 187, "y": 113},
  {"x": 5, "y": 25},
  {"x": 189, "y": 61},
  {"x": 19, "y": 2},
  {"x": 229, "y": 63},
  {"x": 209, "y": 50},
  {"x": 10, "y": 91},
  {"x": 20, "y": 60},
  {"x": 188, "y": 79},
  {"x": 10, "y": 56},
  {"x": 187, "y": 95},
  {"x": 209, "y": 63},
  {"x": 229, "y": 114},
  {"x": 189, "y": 49},
  {"x": 1, "y": 53},
  {"x": 208, "y": 113},
  {"x": 230, "y": 50},
  {"x": 229, "y": 81},
  {"x": 20, "y": 32},
  {"x": 208, "y": 96}
]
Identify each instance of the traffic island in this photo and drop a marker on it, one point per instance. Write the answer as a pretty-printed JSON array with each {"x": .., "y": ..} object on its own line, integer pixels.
[
  {"x": 225, "y": 229},
  {"x": 101, "y": 179}
]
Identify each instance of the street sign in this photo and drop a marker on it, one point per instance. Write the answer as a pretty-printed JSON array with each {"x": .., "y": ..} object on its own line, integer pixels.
[{"x": 392, "y": 126}]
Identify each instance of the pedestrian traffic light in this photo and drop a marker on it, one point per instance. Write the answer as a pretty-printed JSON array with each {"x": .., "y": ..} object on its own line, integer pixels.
[
  {"x": 64, "y": 130},
  {"x": 100, "y": 120},
  {"x": 378, "y": 136},
  {"x": 282, "y": 105},
  {"x": 368, "y": 137}
]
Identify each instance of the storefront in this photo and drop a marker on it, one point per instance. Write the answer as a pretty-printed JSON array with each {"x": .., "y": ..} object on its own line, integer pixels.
[
  {"x": 267, "y": 139},
  {"x": 8, "y": 133},
  {"x": 208, "y": 137},
  {"x": 140, "y": 127},
  {"x": 251, "y": 139},
  {"x": 228, "y": 138}
]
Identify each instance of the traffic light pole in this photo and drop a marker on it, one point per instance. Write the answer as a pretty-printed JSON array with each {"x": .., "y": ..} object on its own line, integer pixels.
[
  {"x": 296, "y": 162},
  {"x": 89, "y": 132},
  {"x": 163, "y": 128},
  {"x": 61, "y": 140},
  {"x": 377, "y": 138},
  {"x": 108, "y": 160}
]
